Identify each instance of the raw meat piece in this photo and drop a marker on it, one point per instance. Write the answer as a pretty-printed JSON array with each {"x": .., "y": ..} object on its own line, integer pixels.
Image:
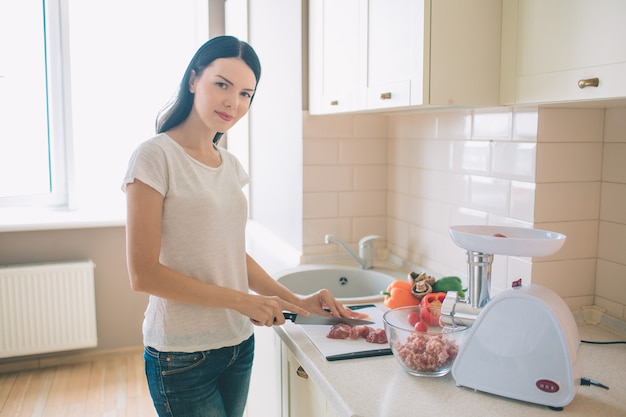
[
  {"x": 339, "y": 331},
  {"x": 377, "y": 336},
  {"x": 360, "y": 331}
]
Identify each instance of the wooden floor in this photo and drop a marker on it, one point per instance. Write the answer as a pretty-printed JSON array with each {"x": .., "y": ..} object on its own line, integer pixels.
[{"x": 112, "y": 385}]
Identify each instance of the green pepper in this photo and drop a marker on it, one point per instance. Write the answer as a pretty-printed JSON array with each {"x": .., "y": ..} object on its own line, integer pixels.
[{"x": 446, "y": 284}]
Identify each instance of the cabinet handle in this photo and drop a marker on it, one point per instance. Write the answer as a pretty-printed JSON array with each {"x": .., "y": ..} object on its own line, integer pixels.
[
  {"x": 385, "y": 96},
  {"x": 589, "y": 82},
  {"x": 334, "y": 103},
  {"x": 302, "y": 373}
]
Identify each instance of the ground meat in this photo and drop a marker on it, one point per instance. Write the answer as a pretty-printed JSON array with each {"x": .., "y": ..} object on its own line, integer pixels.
[{"x": 426, "y": 353}]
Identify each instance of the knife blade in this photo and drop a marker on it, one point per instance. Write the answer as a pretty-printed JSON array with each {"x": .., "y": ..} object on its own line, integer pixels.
[{"x": 323, "y": 320}]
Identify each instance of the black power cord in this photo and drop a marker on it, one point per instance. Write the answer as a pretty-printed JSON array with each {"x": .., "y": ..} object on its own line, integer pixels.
[
  {"x": 587, "y": 382},
  {"x": 617, "y": 342}
]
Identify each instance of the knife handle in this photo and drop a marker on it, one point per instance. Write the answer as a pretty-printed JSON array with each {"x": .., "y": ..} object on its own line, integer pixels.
[{"x": 290, "y": 316}]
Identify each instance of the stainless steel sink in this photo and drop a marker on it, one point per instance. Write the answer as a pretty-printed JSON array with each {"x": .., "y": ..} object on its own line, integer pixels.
[{"x": 347, "y": 284}]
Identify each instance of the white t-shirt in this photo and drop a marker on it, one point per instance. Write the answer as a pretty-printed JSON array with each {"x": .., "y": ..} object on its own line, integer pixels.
[{"x": 203, "y": 236}]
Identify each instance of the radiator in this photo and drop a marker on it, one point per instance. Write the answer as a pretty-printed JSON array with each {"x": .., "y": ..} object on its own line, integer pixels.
[{"x": 47, "y": 308}]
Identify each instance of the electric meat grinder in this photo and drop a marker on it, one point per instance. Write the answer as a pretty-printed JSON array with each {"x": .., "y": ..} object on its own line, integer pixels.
[{"x": 524, "y": 342}]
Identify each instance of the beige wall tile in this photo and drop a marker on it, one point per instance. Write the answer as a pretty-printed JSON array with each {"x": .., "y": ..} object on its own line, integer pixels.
[
  {"x": 581, "y": 241},
  {"x": 363, "y": 151},
  {"x": 417, "y": 126},
  {"x": 611, "y": 281},
  {"x": 570, "y": 278},
  {"x": 327, "y": 178},
  {"x": 320, "y": 205},
  {"x": 363, "y": 226},
  {"x": 337, "y": 126},
  {"x": 612, "y": 242},
  {"x": 613, "y": 202},
  {"x": 315, "y": 230},
  {"x": 370, "y": 126},
  {"x": 369, "y": 177},
  {"x": 402, "y": 152},
  {"x": 612, "y": 308},
  {"x": 320, "y": 151},
  {"x": 398, "y": 178},
  {"x": 569, "y": 162},
  {"x": 615, "y": 125},
  {"x": 404, "y": 207},
  {"x": 570, "y": 125},
  {"x": 398, "y": 237},
  {"x": 567, "y": 201},
  {"x": 362, "y": 203},
  {"x": 614, "y": 162}
]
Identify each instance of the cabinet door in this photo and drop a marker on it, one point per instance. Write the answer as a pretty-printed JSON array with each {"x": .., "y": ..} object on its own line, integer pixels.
[
  {"x": 561, "y": 42},
  {"x": 305, "y": 399},
  {"x": 333, "y": 55},
  {"x": 394, "y": 68}
]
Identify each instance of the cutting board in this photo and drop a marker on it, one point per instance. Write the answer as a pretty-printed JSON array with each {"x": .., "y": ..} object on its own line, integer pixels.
[{"x": 340, "y": 349}]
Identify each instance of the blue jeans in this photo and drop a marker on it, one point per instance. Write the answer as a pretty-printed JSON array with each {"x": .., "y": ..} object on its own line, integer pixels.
[{"x": 213, "y": 383}]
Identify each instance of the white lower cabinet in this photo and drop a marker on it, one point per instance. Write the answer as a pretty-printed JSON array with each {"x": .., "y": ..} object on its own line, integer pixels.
[
  {"x": 264, "y": 398},
  {"x": 301, "y": 397}
]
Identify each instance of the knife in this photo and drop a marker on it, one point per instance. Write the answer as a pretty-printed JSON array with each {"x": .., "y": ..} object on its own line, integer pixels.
[{"x": 323, "y": 320}]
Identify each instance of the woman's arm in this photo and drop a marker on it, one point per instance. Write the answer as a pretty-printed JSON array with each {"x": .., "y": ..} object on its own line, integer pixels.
[{"x": 148, "y": 274}]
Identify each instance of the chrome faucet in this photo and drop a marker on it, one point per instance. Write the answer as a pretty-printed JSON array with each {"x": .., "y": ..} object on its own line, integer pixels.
[{"x": 365, "y": 258}]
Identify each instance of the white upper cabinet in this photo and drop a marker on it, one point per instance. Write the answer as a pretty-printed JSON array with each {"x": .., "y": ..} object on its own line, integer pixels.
[
  {"x": 333, "y": 56},
  {"x": 403, "y": 53},
  {"x": 556, "y": 45}
]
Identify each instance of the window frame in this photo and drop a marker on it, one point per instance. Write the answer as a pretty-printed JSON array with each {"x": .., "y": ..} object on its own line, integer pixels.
[{"x": 59, "y": 112}]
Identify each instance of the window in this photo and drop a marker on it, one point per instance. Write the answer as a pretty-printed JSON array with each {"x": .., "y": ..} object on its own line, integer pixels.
[
  {"x": 32, "y": 143},
  {"x": 81, "y": 83}
]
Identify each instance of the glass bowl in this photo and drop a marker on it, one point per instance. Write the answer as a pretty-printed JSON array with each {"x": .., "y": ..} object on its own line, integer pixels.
[{"x": 431, "y": 349}]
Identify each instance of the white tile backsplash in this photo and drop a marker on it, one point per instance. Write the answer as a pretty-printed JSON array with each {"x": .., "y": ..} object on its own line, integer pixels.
[{"x": 408, "y": 177}]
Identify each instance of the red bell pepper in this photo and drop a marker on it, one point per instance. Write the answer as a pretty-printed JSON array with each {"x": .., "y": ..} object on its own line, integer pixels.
[{"x": 431, "y": 315}]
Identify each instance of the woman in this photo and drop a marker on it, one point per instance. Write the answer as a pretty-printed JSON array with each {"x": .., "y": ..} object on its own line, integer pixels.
[{"x": 186, "y": 217}]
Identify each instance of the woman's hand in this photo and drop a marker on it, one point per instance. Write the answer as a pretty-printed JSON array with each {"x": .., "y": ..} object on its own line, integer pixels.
[
  {"x": 268, "y": 310},
  {"x": 323, "y": 303}
]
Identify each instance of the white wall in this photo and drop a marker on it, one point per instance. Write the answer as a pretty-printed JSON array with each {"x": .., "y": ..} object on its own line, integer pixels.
[{"x": 275, "y": 31}]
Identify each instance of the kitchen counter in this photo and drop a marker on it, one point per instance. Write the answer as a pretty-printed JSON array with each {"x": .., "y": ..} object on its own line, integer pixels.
[{"x": 378, "y": 387}]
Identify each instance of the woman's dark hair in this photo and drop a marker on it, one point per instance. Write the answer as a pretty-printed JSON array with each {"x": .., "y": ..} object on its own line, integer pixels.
[{"x": 177, "y": 110}]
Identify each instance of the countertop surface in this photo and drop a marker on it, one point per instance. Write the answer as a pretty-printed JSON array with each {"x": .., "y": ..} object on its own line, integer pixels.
[{"x": 379, "y": 387}]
